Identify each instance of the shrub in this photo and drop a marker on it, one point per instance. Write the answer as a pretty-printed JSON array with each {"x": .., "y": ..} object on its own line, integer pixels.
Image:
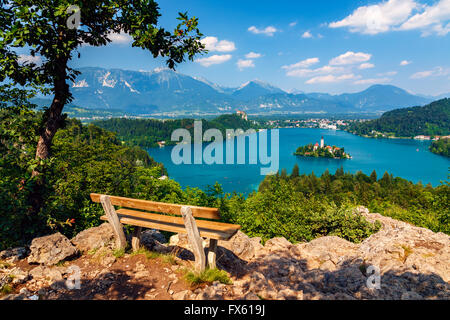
[{"x": 208, "y": 276}]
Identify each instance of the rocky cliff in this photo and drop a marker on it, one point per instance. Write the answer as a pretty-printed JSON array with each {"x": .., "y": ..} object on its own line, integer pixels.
[{"x": 400, "y": 261}]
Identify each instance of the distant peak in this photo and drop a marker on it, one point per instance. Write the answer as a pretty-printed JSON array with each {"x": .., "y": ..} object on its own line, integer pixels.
[{"x": 258, "y": 83}]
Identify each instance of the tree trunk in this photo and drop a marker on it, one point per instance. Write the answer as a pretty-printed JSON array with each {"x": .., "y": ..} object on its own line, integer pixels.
[
  {"x": 53, "y": 121},
  {"x": 53, "y": 116}
]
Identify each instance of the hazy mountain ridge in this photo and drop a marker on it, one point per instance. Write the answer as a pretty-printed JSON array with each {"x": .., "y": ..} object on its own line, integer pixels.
[{"x": 164, "y": 90}]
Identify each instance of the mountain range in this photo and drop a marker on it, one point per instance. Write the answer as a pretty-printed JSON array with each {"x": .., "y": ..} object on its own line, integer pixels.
[{"x": 166, "y": 91}]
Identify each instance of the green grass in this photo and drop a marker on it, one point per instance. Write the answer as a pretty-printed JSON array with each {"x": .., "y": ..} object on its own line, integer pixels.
[
  {"x": 406, "y": 252},
  {"x": 169, "y": 258},
  {"x": 148, "y": 254},
  {"x": 118, "y": 253},
  {"x": 6, "y": 289},
  {"x": 92, "y": 251},
  {"x": 62, "y": 263},
  {"x": 208, "y": 276},
  {"x": 166, "y": 258}
]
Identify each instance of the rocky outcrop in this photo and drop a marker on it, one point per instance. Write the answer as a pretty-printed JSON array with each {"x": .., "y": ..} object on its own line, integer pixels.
[
  {"x": 14, "y": 254},
  {"x": 242, "y": 246},
  {"x": 94, "y": 238},
  {"x": 50, "y": 250},
  {"x": 412, "y": 263},
  {"x": 400, "y": 262}
]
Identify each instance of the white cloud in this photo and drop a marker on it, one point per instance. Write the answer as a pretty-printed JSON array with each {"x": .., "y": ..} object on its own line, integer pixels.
[
  {"x": 307, "y": 35},
  {"x": 243, "y": 64},
  {"x": 405, "y": 63},
  {"x": 399, "y": 15},
  {"x": 293, "y": 24},
  {"x": 350, "y": 57},
  {"x": 302, "y": 64},
  {"x": 377, "y": 18},
  {"x": 120, "y": 38},
  {"x": 215, "y": 59},
  {"x": 213, "y": 44},
  {"x": 253, "y": 55},
  {"x": 436, "y": 72},
  {"x": 26, "y": 59},
  {"x": 373, "y": 81},
  {"x": 331, "y": 78},
  {"x": 431, "y": 19},
  {"x": 268, "y": 31},
  {"x": 387, "y": 74},
  {"x": 314, "y": 72},
  {"x": 422, "y": 74},
  {"x": 366, "y": 66}
]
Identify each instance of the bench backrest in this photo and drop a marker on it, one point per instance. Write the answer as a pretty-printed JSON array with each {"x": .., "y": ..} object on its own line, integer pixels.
[{"x": 198, "y": 212}]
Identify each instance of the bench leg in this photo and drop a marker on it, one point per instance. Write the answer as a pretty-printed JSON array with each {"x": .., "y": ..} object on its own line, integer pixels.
[
  {"x": 136, "y": 240},
  {"x": 113, "y": 219},
  {"x": 194, "y": 238},
  {"x": 212, "y": 253}
]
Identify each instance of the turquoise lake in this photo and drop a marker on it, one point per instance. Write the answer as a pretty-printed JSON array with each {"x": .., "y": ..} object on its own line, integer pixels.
[{"x": 409, "y": 159}]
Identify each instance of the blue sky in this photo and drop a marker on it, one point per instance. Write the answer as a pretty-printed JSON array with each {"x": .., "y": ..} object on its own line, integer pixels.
[{"x": 312, "y": 46}]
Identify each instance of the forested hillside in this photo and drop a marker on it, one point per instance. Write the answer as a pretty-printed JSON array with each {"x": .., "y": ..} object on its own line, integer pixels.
[
  {"x": 441, "y": 146},
  {"x": 147, "y": 132},
  {"x": 302, "y": 207},
  {"x": 430, "y": 120}
]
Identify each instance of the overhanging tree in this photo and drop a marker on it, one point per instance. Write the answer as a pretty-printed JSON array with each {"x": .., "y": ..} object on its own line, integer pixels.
[{"x": 45, "y": 29}]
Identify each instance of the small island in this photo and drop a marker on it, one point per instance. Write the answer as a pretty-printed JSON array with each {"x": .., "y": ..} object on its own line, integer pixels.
[{"x": 322, "y": 151}]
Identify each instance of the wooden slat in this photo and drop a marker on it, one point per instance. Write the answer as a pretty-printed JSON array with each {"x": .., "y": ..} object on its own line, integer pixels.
[
  {"x": 176, "y": 228},
  {"x": 213, "y": 225},
  {"x": 198, "y": 212}
]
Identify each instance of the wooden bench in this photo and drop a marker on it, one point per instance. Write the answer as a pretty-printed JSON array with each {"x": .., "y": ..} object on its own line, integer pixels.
[{"x": 166, "y": 216}]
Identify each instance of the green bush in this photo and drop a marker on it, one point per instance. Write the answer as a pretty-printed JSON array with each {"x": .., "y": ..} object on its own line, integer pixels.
[
  {"x": 281, "y": 211},
  {"x": 301, "y": 208}
]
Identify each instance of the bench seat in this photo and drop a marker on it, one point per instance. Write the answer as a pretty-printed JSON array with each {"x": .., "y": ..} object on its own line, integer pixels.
[
  {"x": 167, "y": 217},
  {"x": 207, "y": 229}
]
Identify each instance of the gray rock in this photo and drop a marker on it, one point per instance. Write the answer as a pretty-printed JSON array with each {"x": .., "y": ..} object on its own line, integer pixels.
[
  {"x": 277, "y": 244},
  {"x": 251, "y": 296},
  {"x": 50, "y": 250},
  {"x": 182, "y": 295},
  {"x": 94, "y": 238},
  {"x": 4, "y": 279},
  {"x": 155, "y": 241},
  {"x": 18, "y": 276},
  {"x": 241, "y": 245},
  {"x": 149, "y": 234},
  {"x": 14, "y": 254},
  {"x": 43, "y": 272},
  {"x": 411, "y": 295},
  {"x": 14, "y": 297}
]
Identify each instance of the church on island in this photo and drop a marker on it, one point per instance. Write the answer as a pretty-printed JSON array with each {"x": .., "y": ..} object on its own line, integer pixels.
[{"x": 322, "y": 151}]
